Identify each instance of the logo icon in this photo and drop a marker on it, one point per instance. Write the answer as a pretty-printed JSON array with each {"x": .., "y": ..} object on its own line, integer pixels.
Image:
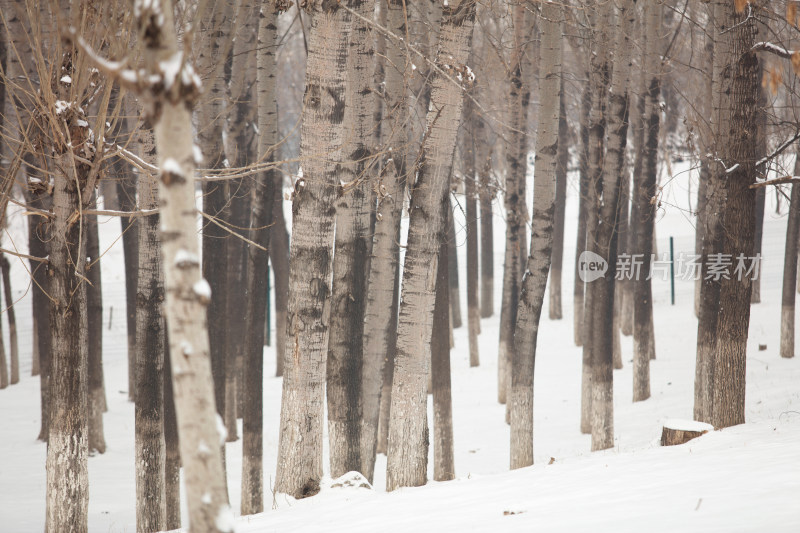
[{"x": 591, "y": 266}]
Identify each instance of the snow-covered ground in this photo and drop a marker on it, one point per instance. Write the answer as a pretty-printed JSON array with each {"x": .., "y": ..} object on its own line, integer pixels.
[{"x": 745, "y": 478}]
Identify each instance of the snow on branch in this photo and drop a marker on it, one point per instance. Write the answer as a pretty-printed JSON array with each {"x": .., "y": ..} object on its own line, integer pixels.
[{"x": 764, "y": 46}]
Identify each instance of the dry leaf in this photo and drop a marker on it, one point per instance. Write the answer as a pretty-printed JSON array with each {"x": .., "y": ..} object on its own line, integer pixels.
[
  {"x": 796, "y": 62},
  {"x": 740, "y": 5},
  {"x": 773, "y": 76},
  {"x": 791, "y": 13}
]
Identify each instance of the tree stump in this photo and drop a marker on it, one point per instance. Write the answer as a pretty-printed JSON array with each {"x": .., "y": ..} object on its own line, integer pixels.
[{"x": 677, "y": 432}]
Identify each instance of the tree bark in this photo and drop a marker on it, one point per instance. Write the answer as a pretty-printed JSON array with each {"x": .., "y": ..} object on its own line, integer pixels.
[
  {"x": 172, "y": 459},
  {"x": 531, "y": 298},
  {"x": 468, "y": 153},
  {"x": 579, "y": 287},
  {"x": 485, "y": 199},
  {"x": 94, "y": 310},
  {"x": 187, "y": 294},
  {"x": 314, "y": 207},
  {"x": 380, "y": 320},
  {"x": 279, "y": 259},
  {"x": 455, "y": 295},
  {"x": 408, "y": 431},
  {"x": 517, "y": 161},
  {"x": 790, "y": 270},
  {"x": 645, "y": 189},
  {"x": 443, "y": 461},
  {"x": 257, "y": 271},
  {"x": 604, "y": 326},
  {"x": 557, "y": 259}
]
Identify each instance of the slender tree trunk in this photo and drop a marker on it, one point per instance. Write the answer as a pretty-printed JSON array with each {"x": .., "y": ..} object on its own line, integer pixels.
[
  {"x": 485, "y": 198},
  {"x": 790, "y": 270},
  {"x": 172, "y": 459},
  {"x": 12, "y": 319},
  {"x": 517, "y": 161},
  {"x": 578, "y": 290},
  {"x": 455, "y": 295},
  {"x": 210, "y": 61},
  {"x": 408, "y": 430},
  {"x": 645, "y": 188},
  {"x": 94, "y": 310},
  {"x": 258, "y": 273},
  {"x": 314, "y": 204},
  {"x": 380, "y": 320},
  {"x": 279, "y": 259},
  {"x": 761, "y": 193},
  {"x": 557, "y": 260},
  {"x": 468, "y": 154},
  {"x": 443, "y": 462},
  {"x": 599, "y": 77},
  {"x": 604, "y": 325},
  {"x": 534, "y": 281},
  {"x": 3, "y": 362},
  {"x": 187, "y": 294}
]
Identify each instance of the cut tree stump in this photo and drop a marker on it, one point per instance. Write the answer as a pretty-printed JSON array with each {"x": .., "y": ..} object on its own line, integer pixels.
[{"x": 677, "y": 432}]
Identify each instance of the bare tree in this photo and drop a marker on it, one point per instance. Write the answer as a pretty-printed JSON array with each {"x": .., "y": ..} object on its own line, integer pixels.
[{"x": 790, "y": 269}]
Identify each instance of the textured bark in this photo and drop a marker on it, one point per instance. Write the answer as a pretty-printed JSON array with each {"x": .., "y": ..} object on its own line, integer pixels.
[
  {"x": 352, "y": 248},
  {"x": 257, "y": 271},
  {"x": 314, "y": 207},
  {"x": 443, "y": 461},
  {"x": 217, "y": 24},
  {"x": 517, "y": 161},
  {"x": 94, "y": 310},
  {"x": 468, "y": 153},
  {"x": 150, "y": 344},
  {"x": 557, "y": 256},
  {"x": 604, "y": 326},
  {"x": 150, "y": 341},
  {"x": 645, "y": 190},
  {"x": 380, "y": 320},
  {"x": 3, "y": 361},
  {"x": 279, "y": 259},
  {"x": 790, "y": 270},
  {"x": 240, "y": 151},
  {"x": 534, "y": 281},
  {"x": 68, "y": 445},
  {"x": 12, "y": 320},
  {"x": 172, "y": 460},
  {"x": 408, "y": 431},
  {"x": 487, "y": 237},
  {"x": 599, "y": 77},
  {"x": 761, "y": 193},
  {"x": 742, "y": 84},
  {"x": 455, "y": 296},
  {"x": 579, "y": 287},
  {"x": 186, "y": 291}
]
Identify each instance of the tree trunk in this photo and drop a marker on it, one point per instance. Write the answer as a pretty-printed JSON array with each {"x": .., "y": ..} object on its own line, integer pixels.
[
  {"x": 257, "y": 270},
  {"x": 408, "y": 431},
  {"x": 531, "y": 298},
  {"x": 172, "y": 461},
  {"x": 210, "y": 62},
  {"x": 150, "y": 343},
  {"x": 12, "y": 319},
  {"x": 3, "y": 362},
  {"x": 742, "y": 84},
  {"x": 790, "y": 269},
  {"x": 517, "y": 161},
  {"x": 443, "y": 462},
  {"x": 455, "y": 295},
  {"x": 68, "y": 445},
  {"x": 486, "y": 197},
  {"x": 557, "y": 259},
  {"x": 380, "y": 320},
  {"x": 94, "y": 310},
  {"x": 645, "y": 190},
  {"x": 599, "y": 77},
  {"x": 314, "y": 207},
  {"x": 279, "y": 259},
  {"x": 579, "y": 287},
  {"x": 187, "y": 294},
  {"x": 604, "y": 326},
  {"x": 468, "y": 154}
]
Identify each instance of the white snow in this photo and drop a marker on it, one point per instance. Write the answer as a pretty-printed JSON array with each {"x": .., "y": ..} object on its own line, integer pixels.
[
  {"x": 197, "y": 154},
  {"x": 172, "y": 166},
  {"x": 184, "y": 257},
  {"x": 202, "y": 289},
  {"x": 740, "y": 479},
  {"x": 82, "y": 123},
  {"x": 66, "y": 80},
  {"x": 203, "y": 449},
  {"x": 62, "y": 106},
  {"x": 687, "y": 425},
  {"x": 186, "y": 347},
  {"x": 225, "y": 520},
  {"x": 222, "y": 431}
]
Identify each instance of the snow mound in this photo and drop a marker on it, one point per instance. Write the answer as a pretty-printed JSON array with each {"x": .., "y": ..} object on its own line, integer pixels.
[{"x": 351, "y": 479}]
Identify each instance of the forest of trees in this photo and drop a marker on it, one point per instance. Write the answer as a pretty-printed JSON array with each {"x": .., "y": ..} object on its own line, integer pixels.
[{"x": 375, "y": 121}]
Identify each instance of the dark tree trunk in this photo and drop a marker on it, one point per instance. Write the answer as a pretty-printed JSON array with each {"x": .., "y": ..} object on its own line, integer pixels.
[
  {"x": 279, "y": 259},
  {"x": 443, "y": 462},
  {"x": 172, "y": 457},
  {"x": 94, "y": 309},
  {"x": 468, "y": 152},
  {"x": 578, "y": 292},
  {"x": 487, "y": 240},
  {"x": 452, "y": 252},
  {"x": 557, "y": 258}
]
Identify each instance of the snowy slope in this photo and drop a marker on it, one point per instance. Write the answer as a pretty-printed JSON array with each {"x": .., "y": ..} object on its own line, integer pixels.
[{"x": 745, "y": 478}]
